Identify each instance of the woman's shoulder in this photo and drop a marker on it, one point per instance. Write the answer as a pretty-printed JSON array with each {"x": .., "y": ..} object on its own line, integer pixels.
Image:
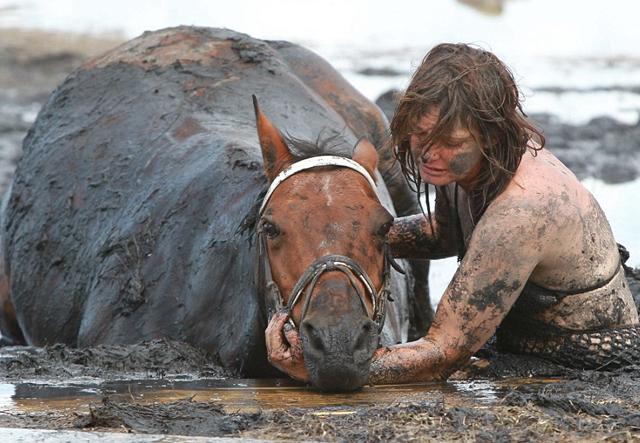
[
  {"x": 546, "y": 201},
  {"x": 543, "y": 183}
]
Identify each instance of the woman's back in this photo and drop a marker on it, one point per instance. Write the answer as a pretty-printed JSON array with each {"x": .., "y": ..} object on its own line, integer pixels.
[{"x": 579, "y": 284}]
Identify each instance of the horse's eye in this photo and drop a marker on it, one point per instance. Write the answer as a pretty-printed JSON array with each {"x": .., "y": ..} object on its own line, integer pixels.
[
  {"x": 270, "y": 229},
  {"x": 384, "y": 229}
]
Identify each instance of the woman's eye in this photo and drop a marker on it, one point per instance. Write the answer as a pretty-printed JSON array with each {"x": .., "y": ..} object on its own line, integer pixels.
[{"x": 270, "y": 229}]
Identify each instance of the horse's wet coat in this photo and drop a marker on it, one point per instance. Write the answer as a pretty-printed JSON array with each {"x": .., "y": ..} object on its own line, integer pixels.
[{"x": 124, "y": 221}]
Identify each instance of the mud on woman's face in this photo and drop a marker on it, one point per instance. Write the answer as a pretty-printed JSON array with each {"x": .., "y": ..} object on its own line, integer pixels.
[{"x": 455, "y": 158}]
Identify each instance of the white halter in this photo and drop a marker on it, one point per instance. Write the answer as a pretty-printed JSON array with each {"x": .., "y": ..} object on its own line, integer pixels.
[{"x": 315, "y": 162}]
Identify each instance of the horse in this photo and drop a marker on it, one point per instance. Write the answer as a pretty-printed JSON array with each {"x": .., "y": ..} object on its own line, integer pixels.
[{"x": 136, "y": 211}]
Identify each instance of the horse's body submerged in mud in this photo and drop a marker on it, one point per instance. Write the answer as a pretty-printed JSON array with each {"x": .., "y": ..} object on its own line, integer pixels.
[{"x": 133, "y": 210}]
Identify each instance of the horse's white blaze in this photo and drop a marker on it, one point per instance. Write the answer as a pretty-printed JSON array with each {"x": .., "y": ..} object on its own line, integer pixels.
[{"x": 326, "y": 189}]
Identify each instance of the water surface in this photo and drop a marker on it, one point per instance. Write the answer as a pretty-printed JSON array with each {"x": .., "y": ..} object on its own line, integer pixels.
[{"x": 248, "y": 395}]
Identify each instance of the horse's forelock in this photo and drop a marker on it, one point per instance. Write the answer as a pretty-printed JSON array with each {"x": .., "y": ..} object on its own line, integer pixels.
[{"x": 331, "y": 144}]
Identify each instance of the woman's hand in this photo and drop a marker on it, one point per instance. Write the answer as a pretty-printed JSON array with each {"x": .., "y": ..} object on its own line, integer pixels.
[
  {"x": 417, "y": 361},
  {"x": 284, "y": 348}
]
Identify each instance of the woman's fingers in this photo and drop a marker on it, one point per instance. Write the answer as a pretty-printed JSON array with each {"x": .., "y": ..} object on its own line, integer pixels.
[
  {"x": 275, "y": 340},
  {"x": 284, "y": 347},
  {"x": 293, "y": 338}
]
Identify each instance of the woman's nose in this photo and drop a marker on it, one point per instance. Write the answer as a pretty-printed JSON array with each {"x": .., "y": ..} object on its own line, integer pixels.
[{"x": 430, "y": 153}]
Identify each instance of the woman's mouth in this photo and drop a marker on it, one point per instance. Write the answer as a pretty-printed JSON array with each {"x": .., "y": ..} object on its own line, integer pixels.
[{"x": 432, "y": 170}]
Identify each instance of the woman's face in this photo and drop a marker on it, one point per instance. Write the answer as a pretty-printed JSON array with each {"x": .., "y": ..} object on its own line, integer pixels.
[{"x": 455, "y": 158}]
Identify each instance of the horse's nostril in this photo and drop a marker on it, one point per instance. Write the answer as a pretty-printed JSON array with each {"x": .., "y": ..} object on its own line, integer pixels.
[
  {"x": 364, "y": 337},
  {"x": 313, "y": 335}
]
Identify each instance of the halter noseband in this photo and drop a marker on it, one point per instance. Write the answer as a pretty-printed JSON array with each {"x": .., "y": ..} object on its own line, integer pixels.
[{"x": 307, "y": 282}]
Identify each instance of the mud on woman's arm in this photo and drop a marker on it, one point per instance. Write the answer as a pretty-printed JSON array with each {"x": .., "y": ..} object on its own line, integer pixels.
[
  {"x": 502, "y": 253},
  {"x": 417, "y": 236}
]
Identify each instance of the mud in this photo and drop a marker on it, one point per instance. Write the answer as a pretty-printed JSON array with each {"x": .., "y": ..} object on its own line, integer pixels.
[
  {"x": 183, "y": 417},
  {"x": 170, "y": 388},
  {"x": 158, "y": 358},
  {"x": 163, "y": 387}
]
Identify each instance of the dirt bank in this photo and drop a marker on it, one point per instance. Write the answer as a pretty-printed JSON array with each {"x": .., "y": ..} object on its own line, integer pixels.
[{"x": 152, "y": 359}]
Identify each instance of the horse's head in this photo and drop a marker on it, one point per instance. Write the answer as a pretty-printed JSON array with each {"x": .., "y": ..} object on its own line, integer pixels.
[{"x": 322, "y": 252}]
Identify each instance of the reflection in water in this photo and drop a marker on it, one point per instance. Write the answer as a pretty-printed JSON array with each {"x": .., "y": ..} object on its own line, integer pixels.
[{"x": 248, "y": 395}]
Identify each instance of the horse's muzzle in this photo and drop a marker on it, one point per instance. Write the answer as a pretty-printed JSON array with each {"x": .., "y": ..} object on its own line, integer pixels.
[{"x": 338, "y": 352}]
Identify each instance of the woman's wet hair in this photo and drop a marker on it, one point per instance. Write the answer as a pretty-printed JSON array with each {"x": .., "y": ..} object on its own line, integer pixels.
[{"x": 472, "y": 89}]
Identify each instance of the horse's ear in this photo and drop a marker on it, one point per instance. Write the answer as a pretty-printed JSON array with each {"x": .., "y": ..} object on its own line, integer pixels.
[
  {"x": 365, "y": 154},
  {"x": 275, "y": 152}
]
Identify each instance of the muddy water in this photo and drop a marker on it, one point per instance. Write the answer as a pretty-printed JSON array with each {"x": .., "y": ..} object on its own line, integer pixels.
[
  {"x": 246, "y": 395},
  {"x": 58, "y": 378}
]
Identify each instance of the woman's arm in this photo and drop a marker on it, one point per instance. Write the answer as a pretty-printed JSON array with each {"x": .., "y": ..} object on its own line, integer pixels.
[
  {"x": 503, "y": 251},
  {"x": 415, "y": 237}
]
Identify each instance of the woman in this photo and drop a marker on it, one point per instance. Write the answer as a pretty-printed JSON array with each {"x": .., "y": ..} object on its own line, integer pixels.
[{"x": 538, "y": 262}]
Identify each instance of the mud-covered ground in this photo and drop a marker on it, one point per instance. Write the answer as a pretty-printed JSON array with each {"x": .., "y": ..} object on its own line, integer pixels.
[{"x": 582, "y": 405}]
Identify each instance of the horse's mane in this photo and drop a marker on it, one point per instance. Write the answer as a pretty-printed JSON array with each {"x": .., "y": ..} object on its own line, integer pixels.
[{"x": 301, "y": 149}]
